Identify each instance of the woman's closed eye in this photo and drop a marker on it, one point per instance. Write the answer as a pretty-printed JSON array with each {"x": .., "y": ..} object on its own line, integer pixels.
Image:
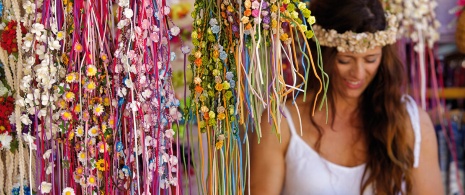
[
  {"x": 343, "y": 61},
  {"x": 371, "y": 60}
]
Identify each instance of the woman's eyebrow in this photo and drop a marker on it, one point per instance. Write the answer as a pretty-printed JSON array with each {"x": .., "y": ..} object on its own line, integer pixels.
[
  {"x": 353, "y": 57},
  {"x": 373, "y": 55}
]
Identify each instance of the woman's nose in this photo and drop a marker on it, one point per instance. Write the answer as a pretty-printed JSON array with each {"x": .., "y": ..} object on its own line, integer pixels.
[{"x": 357, "y": 70}]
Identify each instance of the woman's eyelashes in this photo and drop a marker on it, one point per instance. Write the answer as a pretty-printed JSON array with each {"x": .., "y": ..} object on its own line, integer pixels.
[
  {"x": 371, "y": 60},
  {"x": 343, "y": 61},
  {"x": 348, "y": 61}
]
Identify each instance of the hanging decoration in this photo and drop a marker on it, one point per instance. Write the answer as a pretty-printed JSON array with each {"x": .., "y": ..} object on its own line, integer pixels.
[
  {"x": 420, "y": 28},
  {"x": 238, "y": 67},
  {"x": 88, "y": 105},
  {"x": 94, "y": 107}
]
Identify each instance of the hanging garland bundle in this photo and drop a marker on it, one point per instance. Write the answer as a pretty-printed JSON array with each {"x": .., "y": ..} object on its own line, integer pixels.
[
  {"x": 95, "y": 108},
  {"x": 238, "y": 72}
]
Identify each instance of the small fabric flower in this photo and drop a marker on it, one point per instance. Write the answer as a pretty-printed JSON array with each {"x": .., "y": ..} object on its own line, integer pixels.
[
  {"x": 101, "y": 165},
  {"x": 68, "y": 96},
  {"x": 82, "y": 157},
  {"x": 79, "y": 131},
  {"x": 92, "y": 181},
  {"x": 91, "y": 70},
  {"x": 98, "y": 109},
  {"x": 90, "y": 86},
  {"x": 68, "y": 191},
  {"x": 66, "y": 115},
  {"x": 71, "y": 77},
  {"x": 79, "y": 170},
  {"x": 78, "y": 47},
  {"x": 93, "y": 131}
]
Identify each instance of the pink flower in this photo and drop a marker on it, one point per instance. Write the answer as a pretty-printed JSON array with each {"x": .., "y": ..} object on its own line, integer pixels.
[
  {"x": 154, "y": 37},
  {"x": 255, "y": 13},
  {"x": 78, "y": 47},
  {"x": 145, "y": 24}
]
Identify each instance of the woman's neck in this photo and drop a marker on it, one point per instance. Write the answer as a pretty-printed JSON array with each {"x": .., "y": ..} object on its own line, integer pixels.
[{"x": 345, "y": 106}]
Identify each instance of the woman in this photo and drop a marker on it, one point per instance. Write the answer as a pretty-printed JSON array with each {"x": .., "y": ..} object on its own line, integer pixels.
[{"x": 376, "y": 140}]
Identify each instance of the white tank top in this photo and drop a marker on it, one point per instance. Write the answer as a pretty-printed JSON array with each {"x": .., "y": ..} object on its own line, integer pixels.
[{"x": 307, "y": 173}]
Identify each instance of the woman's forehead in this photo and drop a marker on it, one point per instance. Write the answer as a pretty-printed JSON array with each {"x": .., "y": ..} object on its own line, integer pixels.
[{"x": 369, "y": 52}]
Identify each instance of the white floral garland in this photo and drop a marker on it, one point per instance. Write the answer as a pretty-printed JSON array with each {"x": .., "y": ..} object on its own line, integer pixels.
[
  {"x": 417, "y": 19},
  {"x": 357, "y": 42}
]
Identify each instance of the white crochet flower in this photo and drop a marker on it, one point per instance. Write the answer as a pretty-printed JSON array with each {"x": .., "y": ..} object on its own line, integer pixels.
[{"x": 5, "y": 139}]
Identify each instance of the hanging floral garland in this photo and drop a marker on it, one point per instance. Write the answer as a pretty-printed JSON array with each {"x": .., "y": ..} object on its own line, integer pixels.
[
  {"x": 238, "y": 72},
  {"x": 420, "y": 28},
  {"x": 95, "y": 107}
]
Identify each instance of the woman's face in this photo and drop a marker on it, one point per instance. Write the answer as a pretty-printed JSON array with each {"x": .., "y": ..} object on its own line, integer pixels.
[{"x": 356, "y": 71}]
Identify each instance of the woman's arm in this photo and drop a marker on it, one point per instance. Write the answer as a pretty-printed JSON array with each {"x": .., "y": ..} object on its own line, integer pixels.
[
  {"x": 267, "y": 159},
  {"x": 427, "y": 176}
]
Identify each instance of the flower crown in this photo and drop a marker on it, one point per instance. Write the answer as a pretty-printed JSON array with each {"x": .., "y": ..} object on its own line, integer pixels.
[{"x": 357, "y": 42}]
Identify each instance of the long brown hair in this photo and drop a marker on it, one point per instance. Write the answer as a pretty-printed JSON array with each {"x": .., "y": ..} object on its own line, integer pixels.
[{"x": 381, "y": 111}]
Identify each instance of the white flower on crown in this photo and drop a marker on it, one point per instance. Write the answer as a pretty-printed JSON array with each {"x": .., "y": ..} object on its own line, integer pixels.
[{"x": 357, "y": 42}]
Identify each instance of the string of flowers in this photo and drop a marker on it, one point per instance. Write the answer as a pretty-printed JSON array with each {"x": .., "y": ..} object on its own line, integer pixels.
[
  {"x": 237, "y": 63},
  {"x": 96, "y": 98},
  {"x": 418, "y": 24}
]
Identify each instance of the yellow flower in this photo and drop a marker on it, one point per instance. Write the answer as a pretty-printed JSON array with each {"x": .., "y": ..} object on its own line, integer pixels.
[
  {"x": 274, "y": 23},
  {"x": 194, "y": 35},
  {"x": 79, "y": 131},
  {"x": 230, "y": 8},
  {"x": 204, "y": 109},
  {"x": 311, "y": 20},
  {"x": 219, "y": 86},
  {"x": 294, "y": 14},
  {"x": 211, "y": 114},
  {"x": 104, "y": 127},
  {"x": 71, "y": 135},
  {"x": 68, "y": 191},
  {"x": 62, "y": 104},
  {"x": 303, "y": 27},
  {"x": 221, "y": 116},
  {"x": 66, "y": 116},
  {"x": 302, "y": 5},
  {"x": 106, "y": 101},
  {"x": 90, "y": 86},
  {"x": 79, "y": 170},
  {"x": 65, "y": 59},
  {"x": 219, "y": 144},
  {"x": 69, "y": 96},
  {"x": 245, "y": 19},
  {"x": 284, "y": 37},
  {"x": 92, "y": 181},
  {"x": 82, "y": 157},
  {"x": 104, "y": 57},
  {"x": 60, "y": 35},
  {"x": 91, "y": 70},
  {"x": 286, "y": 1},
  {"x": 77, "y": 108},
  {"x": 198, "y": 54},
  {"x": 226, "y": 85},
  {"x": 101, "y": 165},
  {"x": 78, "y": 47},
  {"x": 71, "y": 77},
  {"x": 98, "y": 109},
  {"x": 111, "y": 122},
  {"x": 93, "y": 131},
  {"x": 69, "y": 8},
  {"x": 274, "y": 8},
  {"x": 247, "y": 4}
]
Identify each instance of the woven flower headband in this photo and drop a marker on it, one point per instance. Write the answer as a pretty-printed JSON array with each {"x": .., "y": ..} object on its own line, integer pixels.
[{"x": 357, "y": 42}]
